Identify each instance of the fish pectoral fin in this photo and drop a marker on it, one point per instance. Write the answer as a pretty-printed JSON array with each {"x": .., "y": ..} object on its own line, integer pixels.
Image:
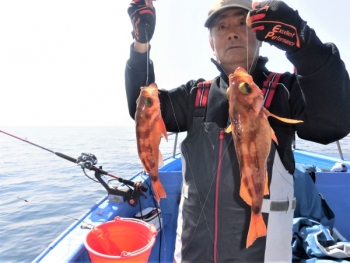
[
  {"x": 281, "y": 118},
  {"x": 160, "y": 159},
  {"x": 162, "y": 128},
  {"x": 273, "y": 136},
  {"x": 228, "y": 129},
  {"x": 266, "y": 189},
  {"x": 257, "y": 228},
  {"x": 287, "y": 120}
]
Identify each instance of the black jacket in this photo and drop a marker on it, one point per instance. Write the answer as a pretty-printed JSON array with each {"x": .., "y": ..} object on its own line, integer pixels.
[{"x": 319, "y": 94}]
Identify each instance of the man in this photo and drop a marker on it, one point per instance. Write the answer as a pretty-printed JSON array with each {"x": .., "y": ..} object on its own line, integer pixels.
[{"x": 213, "y": 219}]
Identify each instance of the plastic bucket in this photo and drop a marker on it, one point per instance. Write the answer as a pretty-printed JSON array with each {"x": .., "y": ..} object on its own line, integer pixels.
[{"x": 121, "y": 240}]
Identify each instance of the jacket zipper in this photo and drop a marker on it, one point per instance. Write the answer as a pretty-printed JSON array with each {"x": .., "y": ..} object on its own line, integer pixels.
[{"x": 221, "y": 137}]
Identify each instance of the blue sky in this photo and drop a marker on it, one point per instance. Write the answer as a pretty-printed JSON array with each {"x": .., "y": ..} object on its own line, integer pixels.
[{"x": 62, "y": 62}]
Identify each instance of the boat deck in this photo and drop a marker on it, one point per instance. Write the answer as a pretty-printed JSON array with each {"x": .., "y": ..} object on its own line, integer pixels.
[{"x": 69, "y": 247}]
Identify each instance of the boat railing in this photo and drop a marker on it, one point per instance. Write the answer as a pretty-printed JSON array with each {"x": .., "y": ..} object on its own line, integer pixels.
[
  {"x": 175, "y": 141},
  {"x": 294, "y": 145},
  {"x": 338, "y": 146},
  {"x": 340, "y": 151}
]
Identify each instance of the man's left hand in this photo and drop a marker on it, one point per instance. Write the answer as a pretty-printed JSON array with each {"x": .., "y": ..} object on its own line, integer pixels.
[{"x": 278, "y": 24}]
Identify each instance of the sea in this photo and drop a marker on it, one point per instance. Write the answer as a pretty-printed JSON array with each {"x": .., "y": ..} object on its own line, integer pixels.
[{"x": 42, "y": 194}]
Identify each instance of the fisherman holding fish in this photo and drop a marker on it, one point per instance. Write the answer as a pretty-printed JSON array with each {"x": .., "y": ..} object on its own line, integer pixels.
[{"x": 237, "y": 197}]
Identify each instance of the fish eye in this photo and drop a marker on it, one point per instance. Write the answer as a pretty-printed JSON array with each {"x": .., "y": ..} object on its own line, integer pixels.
[
  {"x": 244, "y": 88},
  {"x": 148, "y": 102}
]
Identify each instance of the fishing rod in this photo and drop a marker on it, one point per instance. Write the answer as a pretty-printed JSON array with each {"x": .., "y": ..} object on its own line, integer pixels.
[{"x": 88, "y": 161}]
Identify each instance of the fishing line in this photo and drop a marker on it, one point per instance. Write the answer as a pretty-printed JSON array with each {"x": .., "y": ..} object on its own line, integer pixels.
[
  {"x": 92, "y": 179},
  {"x": 246, "y": 32},
  {"x": 147, "y": 45},
  {"x": 55, "y": 212},
  {"x": 149, "y": 186},
  {"x": 212, "y": 181},
  {"x": 178, "y": 127},
  {"x": 254, "y": 61},
  {"x": 160, "y": 222},
  {"x": 28, "y": 142},
  {"x": 88, "y": 164},
  {"x": 84, "y": 225},
  {"x": 255, "y": 58}
]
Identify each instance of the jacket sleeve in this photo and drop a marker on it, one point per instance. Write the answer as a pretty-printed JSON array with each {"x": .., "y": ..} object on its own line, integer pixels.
[
  {"x": 321, "y": 93},
  {"x": 174, "y": 102}
]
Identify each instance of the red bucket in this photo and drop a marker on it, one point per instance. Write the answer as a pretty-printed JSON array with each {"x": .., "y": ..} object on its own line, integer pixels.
[{"x": 121, "y": 240}]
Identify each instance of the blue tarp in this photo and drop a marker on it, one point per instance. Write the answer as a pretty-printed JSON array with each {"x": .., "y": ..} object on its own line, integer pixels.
[
  {"x": 312, "y": 242},
  {"x": 313, "y": 223}
]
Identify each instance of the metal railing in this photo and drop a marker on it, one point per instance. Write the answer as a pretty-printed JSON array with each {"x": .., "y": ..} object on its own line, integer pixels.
[
  {"x": 338, "y": 146},
  {"x": 340, "y": 151},
  {"x": 175, "y": 141}
]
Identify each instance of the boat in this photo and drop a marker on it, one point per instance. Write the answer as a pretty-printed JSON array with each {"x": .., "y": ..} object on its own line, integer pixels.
[{"x": 122, "y": 201}]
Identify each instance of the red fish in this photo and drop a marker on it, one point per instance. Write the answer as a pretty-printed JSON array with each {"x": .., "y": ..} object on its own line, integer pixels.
[
  {"x": 252, "y": 135},
  {"x": 149, "y": 129}
]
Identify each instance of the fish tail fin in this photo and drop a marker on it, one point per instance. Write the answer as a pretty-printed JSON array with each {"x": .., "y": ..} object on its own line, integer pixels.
[
  {"x": 158, "y": 190},
  {"x": 257, "y": 228},
  {"x": 266, "y": 189}
]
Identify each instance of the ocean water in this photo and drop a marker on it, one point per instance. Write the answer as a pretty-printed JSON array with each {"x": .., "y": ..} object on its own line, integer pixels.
[{"x": 41, "y": 194}]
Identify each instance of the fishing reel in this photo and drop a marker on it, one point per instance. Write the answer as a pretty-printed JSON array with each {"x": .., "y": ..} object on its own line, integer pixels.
[
  {"x": 87, "y": 160},
  {"x": 131, "y": 195}
]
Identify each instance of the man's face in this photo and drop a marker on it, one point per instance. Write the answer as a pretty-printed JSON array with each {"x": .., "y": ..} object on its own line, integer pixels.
[{"x": 232, "y": 41}]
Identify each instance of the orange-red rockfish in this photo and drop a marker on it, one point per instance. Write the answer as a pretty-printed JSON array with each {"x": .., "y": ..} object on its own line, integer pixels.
[
  {"x": 252, "y": 135},
  {"x": 149, "y": 129}
]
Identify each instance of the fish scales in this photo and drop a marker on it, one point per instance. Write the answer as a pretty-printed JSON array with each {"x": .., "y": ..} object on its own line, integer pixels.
[{"x": 149, "y": 129}]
